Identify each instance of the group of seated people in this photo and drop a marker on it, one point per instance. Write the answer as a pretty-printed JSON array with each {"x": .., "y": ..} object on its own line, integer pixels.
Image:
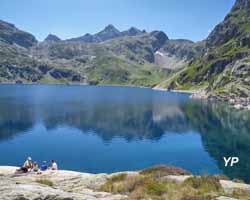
[{"x": 33, "y": 166}]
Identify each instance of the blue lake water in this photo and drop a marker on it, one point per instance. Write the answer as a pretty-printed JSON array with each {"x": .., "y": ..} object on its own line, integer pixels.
[{"x": 108, "y": 129}]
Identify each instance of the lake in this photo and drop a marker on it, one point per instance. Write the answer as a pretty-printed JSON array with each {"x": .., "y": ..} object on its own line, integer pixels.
[{"x": 107, "y": 129}]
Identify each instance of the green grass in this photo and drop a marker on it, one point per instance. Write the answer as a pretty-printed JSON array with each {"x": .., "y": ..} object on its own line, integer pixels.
[
  {"x": 119, "y": 177},
  {"x": 193, "y": 77},
  {"x": 148, "y": 187},
  {"x": 20, "y": 198},
  {"x": 241, "y": 194},
  {"x": 155, "y": 188},
  {"x": 151, "y": 184},
  {"x": 162, "y": 170},
  {"x": 45, "y": 182},
  {"x": 246, "y": 27},
  {"x": 116, "y": 71},
  {"x": 205, "y": 184},
  {"x": 48, "y": 80}
]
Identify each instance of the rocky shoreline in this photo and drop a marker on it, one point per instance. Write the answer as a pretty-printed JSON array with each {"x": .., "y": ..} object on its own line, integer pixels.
[
  {"x": 70, "y": 185},
  {"x": 233, "y": 100}
]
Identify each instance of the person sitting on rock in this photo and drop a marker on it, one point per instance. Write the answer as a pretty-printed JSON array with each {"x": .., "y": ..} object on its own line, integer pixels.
[
  {"x": 35, "y": 167},
  {"x": 44, "y": 166},
  {"x": 54, "y": 165},
  {"x": 26, "y": 166}
]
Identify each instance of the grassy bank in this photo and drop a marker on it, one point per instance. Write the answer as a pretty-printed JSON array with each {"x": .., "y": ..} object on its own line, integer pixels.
[{"x": 156, "y": 183}]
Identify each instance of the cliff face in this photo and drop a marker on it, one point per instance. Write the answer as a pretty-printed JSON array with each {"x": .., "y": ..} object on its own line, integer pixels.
[
  {"x": 12, "y": 35},
  {"x": 224, "y": 67},
  {"x": 176, "y": 54},
  {"x": 235, "y": 26}
]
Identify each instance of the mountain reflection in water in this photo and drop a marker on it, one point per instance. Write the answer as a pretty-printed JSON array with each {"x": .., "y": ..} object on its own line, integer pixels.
[{"x": 130, "y": 114}]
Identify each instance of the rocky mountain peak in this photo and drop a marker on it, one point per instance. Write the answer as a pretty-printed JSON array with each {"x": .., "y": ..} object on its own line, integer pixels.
[
  {"x": 235, "y": 25},
  {"x": 160, "y": 39},
  {"x": 241, "y": 4},
  {"x": 52, "y": 38},
  {"x": 12, "y": 35},
  {"x": 6, "y": 25},
  {"x": 111, "y": 27},
  {"x": 132, "y": 32},
  {"x": 109, "y": 32}
]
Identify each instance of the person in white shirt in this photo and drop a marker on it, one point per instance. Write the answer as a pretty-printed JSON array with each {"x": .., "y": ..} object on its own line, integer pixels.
[{"x": 54, "y": 165}]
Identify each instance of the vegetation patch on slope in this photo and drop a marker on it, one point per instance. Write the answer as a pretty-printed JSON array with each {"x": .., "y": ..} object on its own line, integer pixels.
[{"x": 153, "y": 183}]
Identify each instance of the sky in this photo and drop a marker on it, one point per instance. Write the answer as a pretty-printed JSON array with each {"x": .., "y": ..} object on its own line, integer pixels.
[{"x": 179, "y": 19}]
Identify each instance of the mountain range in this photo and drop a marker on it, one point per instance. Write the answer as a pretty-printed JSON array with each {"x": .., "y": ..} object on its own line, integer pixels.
[
  {"x": 223, "y": 68},
  {"x": 130, "y": 57},
  {"x": 219, "y": 64}
]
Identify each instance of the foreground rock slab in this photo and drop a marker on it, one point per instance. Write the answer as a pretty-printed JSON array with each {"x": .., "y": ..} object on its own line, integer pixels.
[
  {"x": 64, "y": 185},
  {"x": 70, "y": 185},
  {"x": 230, "y": 186}
]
